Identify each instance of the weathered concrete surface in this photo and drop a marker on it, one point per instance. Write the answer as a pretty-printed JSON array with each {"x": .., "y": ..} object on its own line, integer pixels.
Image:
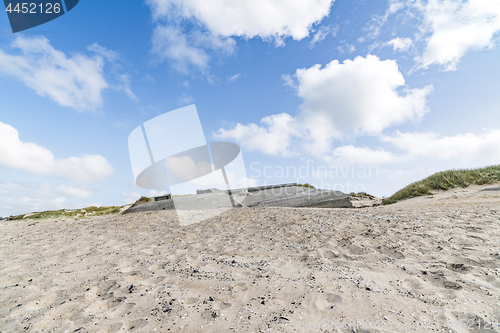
[
  {"x": 288, "y": 195},
  {"x": 151, "y": 206},
  {"x": 206, "y": 201},
  {"x": 295, "y": 196}
]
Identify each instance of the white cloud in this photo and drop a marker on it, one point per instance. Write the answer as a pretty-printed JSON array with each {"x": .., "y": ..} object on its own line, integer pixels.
[
  {"x": 397, "y": 44},
  {"x": 377, "y": 21},
  {"x": 212, "y": 26},
  {"x": 322, "y": 33},
  {"x": 154, "y": 193},
  {"x": 465, "y": 149},
  {"x": 75, "y": 81},
  {"x": 241, "y": 182},
  {"x": 356, "y": 97},
  {"x": 456, "y": 27},
  {"x": 73, "y": 191},
  {"x": 400, "y": 44},
  {"x": 248, "y": 18},
  {"x": 216, "y": 180},
  {"x": 22, "y": 198},
  {"x": 30, "y": 157},
  {"x": 289, "y": 81},
  {"x": 131, "y": 197},
  {"x": 480, "y": 149},
  {"x": 104, "y": 52},
  {"x": 273, "y": 137},
  {"x": 169, "y": 42},
  {"x": 360, "y": 156},
  {"x": 234, "y": 78},
  {"x": 344, "y": 47},
  {"x": 396, "y": 174},
  {"x": 188, "y": 50},
  {"x": 124, "y": 84},
  {"x": 44, "y": 190},
  {"x": 185, "y": 169},
  {"x": 14, "y": 205}
]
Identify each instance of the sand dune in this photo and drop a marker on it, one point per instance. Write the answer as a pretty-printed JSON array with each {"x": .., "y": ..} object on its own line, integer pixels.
[{"x": 423, "y": 262}]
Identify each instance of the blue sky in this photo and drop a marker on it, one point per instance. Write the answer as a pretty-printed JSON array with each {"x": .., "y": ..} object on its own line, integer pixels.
[{"x": 353, "y": 95}]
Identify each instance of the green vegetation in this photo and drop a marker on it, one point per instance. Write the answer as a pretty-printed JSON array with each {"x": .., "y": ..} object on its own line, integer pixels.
[
  {"x": 362, "y": 195},
  {"x": 70, "y": 213},
  {"x": 142, "y": 200},
  {"x": 76, "y": 213},
  {"x": 306, "y": 185},
  {"x": 446, "y": 180}
]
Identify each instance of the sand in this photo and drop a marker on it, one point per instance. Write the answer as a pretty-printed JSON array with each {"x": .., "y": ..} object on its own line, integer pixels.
[{"x": 427, "y": 263}]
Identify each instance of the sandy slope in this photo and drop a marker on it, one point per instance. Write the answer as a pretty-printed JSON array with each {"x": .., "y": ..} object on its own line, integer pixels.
[{"x": 425, "y": 260}]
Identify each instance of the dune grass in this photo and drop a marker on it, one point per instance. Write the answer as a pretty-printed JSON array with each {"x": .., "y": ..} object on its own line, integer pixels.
[
  {"x": 70, "y": 213},
  {"x": 142, "y": 200},
  {"x": 362, "y": 195},
  {"x": 446, "y": 180},
  {"x": 306, "y": 185},
  {"x": 77, "y": 213}
]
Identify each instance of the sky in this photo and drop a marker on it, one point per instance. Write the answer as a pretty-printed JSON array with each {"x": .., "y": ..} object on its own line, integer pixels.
[{"x": 351, "y": 95}]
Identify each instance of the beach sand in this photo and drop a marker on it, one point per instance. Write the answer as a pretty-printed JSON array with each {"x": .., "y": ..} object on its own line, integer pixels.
[{"x": 428, "y": 262}]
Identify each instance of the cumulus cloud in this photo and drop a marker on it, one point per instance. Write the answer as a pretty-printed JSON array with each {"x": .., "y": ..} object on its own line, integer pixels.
[
  {"x": 75, "y": 81},
  {"x": 212, "y": 26},
  {"x": 455, "y": 27},
  {"x": 272, "y": 137},
  {"x": 248, "y": 18},
  {"x": 30, "y": 157},
  {"x": 356, "y": 97},
  {"x": 469, "y": 147},
  {"x": 400, "y": 44}
]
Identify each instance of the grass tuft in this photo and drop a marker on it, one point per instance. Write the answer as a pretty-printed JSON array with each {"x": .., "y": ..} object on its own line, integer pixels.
[
  {"x": 446, "y": 180},
  {"x": 70, "y": 213},
  {"x": 362, "y": 195},
  {"x": 142, "y": 200},
  {"x": 306, "y": 185}
]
